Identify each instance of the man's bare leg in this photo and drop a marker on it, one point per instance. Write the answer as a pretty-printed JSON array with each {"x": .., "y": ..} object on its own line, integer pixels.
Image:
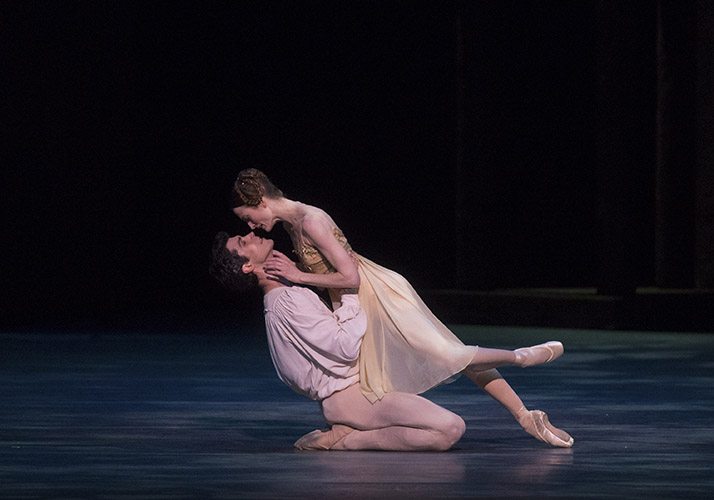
[{"x": 397, "y": 422}]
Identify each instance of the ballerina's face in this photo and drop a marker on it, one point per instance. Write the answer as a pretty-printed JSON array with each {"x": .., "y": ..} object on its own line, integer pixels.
[{"x": 256, "y": 217}]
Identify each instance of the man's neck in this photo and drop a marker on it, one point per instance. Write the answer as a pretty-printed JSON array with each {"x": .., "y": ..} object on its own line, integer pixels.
[
  {"x": 264, "y": 283},
  {"x": 269, "y": 285}
]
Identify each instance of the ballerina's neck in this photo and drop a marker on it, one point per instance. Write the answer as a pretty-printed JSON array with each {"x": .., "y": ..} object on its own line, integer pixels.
[{"x": 288, "y": 211}]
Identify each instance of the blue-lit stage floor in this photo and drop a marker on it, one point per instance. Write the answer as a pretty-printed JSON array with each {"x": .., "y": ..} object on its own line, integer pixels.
[{"x": 117, "y": 416}]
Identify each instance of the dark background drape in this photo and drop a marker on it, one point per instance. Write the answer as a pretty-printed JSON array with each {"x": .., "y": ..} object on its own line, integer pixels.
[
  {"x": 470, "y": 145},
  {"x": 684, "y": 169}
]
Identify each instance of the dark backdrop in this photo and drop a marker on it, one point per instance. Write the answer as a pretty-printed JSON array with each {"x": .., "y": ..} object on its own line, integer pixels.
[{"x": 453, "y": 142}]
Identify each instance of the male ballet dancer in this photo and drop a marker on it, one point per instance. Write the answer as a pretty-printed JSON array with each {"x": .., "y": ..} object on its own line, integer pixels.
[{"x": 315, "y": 352}]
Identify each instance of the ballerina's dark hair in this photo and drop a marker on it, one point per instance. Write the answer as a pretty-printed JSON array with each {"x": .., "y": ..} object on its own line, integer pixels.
[
  {"x": 250, "y": 187},
  {"x": 226, "y": 267}
]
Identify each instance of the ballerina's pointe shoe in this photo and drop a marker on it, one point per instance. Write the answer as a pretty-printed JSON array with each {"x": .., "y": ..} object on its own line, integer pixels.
[
  {"x": 322, "y": 439},
  {"x": 536, "y": 424},
  {"x": 539, "y": 354}
]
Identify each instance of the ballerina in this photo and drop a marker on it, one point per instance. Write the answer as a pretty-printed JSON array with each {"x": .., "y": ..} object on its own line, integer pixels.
[{"x": 406, "y": 348}]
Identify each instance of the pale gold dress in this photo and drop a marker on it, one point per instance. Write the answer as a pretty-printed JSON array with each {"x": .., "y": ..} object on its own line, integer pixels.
[{"x": 406, "y": 348}]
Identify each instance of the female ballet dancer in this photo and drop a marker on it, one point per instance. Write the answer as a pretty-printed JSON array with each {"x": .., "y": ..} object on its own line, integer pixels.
[{"x": 405, "y": 348}]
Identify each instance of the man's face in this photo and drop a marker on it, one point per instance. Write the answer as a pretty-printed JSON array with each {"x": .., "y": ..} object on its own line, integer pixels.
[{"x": 255, "y": 249}]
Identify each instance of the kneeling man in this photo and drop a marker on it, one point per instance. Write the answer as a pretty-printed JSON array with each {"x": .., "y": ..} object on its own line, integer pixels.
[{"x": 315, "y": 352}]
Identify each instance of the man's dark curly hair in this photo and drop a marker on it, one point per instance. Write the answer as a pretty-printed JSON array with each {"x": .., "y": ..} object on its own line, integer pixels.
[{"x": 226, "y": 267}]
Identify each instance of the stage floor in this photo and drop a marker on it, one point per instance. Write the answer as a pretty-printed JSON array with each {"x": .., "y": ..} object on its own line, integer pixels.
[{"x": 154, "y": 416}]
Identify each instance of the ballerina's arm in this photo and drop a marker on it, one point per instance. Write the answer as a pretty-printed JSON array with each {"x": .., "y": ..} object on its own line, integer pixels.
[{"x": 320, "y": 235}]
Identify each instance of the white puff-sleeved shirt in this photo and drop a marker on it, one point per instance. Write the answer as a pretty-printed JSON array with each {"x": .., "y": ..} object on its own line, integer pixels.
[{"x": 314, "y": 350}]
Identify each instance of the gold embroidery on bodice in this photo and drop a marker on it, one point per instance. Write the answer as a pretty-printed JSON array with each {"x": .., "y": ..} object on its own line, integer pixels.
[{"x": 312, "y": 260}]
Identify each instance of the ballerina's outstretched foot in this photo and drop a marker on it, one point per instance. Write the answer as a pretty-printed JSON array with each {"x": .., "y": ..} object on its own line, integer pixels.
[
  {"x": 536, "y": 424},
  {"x": 539, "y": 354},
  {"x": 323, "y": 439}
]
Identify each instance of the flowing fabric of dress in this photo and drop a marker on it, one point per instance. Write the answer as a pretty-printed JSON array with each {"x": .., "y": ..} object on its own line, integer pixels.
[{"x": 405, "y": 348}]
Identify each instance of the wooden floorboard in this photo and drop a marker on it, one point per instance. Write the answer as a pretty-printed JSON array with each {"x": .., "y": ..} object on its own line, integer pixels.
[{"x": 126, "y": 415}]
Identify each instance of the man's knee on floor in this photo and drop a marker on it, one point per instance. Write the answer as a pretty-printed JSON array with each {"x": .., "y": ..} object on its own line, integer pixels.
[
  {"x": 457, "y": 428},
  {"x": 452, "y": 430}
]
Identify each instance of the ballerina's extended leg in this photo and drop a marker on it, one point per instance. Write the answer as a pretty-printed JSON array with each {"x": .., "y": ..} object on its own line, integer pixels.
[
  {"x": 535, "y": 423},
  {"x": 487, "y": 358}
]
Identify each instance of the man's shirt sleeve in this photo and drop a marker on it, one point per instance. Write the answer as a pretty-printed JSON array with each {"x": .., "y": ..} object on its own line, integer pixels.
[{"x": 336, "y": 336}]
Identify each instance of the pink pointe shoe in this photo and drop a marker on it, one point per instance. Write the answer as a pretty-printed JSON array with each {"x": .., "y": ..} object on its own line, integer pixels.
[
  {"x": 322, "y": 439},
  {"x": 536, "y": 424},
  {"x": 539, "y": 354}
]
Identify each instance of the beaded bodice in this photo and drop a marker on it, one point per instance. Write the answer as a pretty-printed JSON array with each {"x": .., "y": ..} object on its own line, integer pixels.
[{"x": 312, "y": 260}]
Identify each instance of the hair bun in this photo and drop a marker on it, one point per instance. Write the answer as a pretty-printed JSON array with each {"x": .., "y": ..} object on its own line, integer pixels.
[{"x": 249, "y": 189}]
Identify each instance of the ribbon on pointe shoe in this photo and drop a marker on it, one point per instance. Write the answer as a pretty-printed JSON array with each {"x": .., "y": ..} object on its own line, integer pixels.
[
  {"x": 539, "y": 354},
  {"x": 537, "y": 424}
]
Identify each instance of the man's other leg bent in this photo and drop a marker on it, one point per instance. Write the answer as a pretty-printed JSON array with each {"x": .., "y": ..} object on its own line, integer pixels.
[{"x": 397, "y": 422}]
